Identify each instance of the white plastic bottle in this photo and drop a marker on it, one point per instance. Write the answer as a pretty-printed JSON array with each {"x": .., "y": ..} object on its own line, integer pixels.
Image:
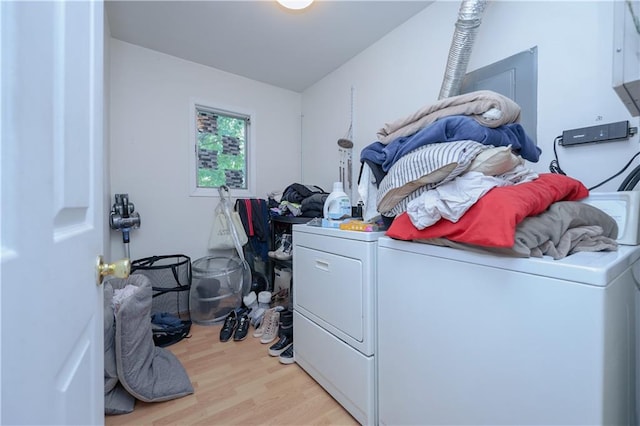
[{"x": 338, "y": 205}]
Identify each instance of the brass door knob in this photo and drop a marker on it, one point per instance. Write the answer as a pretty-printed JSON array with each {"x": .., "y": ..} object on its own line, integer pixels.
[{"x": 120, "y": 269}]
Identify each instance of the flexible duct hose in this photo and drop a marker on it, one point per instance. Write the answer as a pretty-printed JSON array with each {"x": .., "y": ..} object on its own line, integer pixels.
[{"x": 469, "y": 19}]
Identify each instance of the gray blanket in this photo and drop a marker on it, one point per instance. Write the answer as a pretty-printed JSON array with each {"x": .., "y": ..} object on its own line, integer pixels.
[
  {"x": 116, "y": 399},
  {"x": 145, "y": 371},
  {"x": 566, "y": 227}
]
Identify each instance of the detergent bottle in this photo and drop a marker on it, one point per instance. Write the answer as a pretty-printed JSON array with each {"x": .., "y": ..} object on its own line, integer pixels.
[{"x": 338, "y": 205}]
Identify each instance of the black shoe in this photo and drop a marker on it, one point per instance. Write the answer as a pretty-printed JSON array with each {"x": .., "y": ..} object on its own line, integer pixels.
[
  {"x": 229, "y": 326},
  {"x": 243, "y": 328},
  {"x": 287, "y": 356},
  {"x": 281, "y": 345}
]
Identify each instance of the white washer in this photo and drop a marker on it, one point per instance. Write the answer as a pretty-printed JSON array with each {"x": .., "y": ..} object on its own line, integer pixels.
[{"x": 470, "y": 338}]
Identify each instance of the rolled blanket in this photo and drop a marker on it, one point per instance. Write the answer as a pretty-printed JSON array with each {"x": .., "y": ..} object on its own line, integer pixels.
[
  {"x": 147, "y": 372},
  {"x": 488, "y": 108}
]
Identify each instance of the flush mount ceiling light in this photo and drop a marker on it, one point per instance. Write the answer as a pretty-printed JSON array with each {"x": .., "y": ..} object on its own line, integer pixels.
[{"x": 295, "y": 4}]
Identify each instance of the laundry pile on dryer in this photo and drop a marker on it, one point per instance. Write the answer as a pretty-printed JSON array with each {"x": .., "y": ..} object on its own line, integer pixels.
[{"x": 454, "y": 173}]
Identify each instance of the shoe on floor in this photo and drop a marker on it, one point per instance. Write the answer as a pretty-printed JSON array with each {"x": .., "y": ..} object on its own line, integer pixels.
[
  {"x": 270, "y": 331},
  {"x": 243, "y": 328},
  {"x": 266, "y": 318},
  {"x": 262, "y": 325},
  {"x": 264, "y": 302},
  {"x": 287, "y": 356},
  {"x": 281, "y": 345},
  {"x": 229, "y": 326}
]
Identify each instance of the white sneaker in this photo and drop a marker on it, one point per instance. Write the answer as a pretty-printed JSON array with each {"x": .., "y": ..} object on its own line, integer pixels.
[
  {"x": 263, "y": 322},
  {"x": 251, "y": 301},
  {"x": 271, "y": 325},
  {"x": 284, "y": 250},
  {"x": 264, "y": 301},
  {"x": 284, "y": 254}
]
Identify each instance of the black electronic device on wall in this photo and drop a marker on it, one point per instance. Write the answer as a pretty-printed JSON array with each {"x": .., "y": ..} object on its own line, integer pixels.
[{"x": 600, "y": 133}]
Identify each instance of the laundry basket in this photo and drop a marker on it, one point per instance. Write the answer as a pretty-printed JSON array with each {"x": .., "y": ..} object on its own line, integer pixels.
[
  {"x": 216, "y": 289},
  {"x": 170, "y": 277}
]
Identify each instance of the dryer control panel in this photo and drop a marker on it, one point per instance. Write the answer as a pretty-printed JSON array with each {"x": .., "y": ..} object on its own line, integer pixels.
[{"x": 624, "y": 208}]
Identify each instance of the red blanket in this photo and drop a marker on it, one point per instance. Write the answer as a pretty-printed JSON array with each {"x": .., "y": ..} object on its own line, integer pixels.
[{"x": 492, "y": 221}]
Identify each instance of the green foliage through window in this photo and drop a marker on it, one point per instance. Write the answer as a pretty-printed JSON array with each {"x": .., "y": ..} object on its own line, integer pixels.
[{"x": 221, "y": 149}]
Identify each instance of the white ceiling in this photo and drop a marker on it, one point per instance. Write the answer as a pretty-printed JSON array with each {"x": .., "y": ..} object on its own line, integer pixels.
[{"x": 260, "y": 40}]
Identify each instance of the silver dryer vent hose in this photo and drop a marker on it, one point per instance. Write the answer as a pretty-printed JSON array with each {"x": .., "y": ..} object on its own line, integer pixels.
[{"x": 469, "y": 19}]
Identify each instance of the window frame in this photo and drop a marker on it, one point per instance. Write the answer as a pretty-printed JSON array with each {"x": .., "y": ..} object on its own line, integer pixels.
[{"x": 194, "y": 190}]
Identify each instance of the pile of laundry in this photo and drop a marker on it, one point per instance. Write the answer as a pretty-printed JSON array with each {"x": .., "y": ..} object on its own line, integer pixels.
[
  {"x": 453, "y": 173},
  {"x": 298, "y": 200},
  {"x": 440, "y": 142}
]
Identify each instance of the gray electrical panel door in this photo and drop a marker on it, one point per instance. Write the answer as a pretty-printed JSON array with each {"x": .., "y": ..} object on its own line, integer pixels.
[{"x": 515, "y": 77}]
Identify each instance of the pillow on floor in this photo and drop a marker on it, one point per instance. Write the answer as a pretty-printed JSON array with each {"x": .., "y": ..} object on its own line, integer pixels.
[{"x": 492, "y": 220}]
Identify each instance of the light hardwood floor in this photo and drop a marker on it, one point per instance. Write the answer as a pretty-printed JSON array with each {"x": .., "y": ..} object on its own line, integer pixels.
[{"x": 238, "y": 383}]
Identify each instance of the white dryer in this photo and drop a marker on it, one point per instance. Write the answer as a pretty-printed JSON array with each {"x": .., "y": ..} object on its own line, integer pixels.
[{"x": 473, "y": 339}]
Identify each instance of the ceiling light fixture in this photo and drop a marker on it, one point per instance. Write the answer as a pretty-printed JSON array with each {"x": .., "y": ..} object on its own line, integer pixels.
[{"x": 295, "y": 4}]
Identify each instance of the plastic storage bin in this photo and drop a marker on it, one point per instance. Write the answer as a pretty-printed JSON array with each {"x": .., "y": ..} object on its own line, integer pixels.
[{"x": 216, "y": 289}]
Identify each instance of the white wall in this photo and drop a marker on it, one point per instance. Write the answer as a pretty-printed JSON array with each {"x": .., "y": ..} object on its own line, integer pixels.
[
  {"x": 404, "y": 71},
  {"x": 150, "y": 93},
  {"x": 150, "y": 144}
]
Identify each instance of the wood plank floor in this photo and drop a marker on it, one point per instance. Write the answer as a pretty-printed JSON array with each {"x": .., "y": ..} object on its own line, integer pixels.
[{"x": 238, "y": 383}]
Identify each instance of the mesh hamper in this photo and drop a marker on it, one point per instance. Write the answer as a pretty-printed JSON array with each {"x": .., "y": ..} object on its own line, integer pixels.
[
  {"x": 170, "y": 277},
  {"x": 216, "y": 290}
]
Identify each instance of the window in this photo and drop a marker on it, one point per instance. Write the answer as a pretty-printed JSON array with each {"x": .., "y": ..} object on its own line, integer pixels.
[{"x": 222, "y": 149}]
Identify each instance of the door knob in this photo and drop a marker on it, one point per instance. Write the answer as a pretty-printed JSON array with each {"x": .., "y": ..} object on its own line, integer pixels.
[{"x": 120, "y": 269}]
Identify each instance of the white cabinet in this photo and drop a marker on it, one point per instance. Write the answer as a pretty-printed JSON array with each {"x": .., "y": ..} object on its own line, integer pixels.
[{"x": 334, "y": 310}]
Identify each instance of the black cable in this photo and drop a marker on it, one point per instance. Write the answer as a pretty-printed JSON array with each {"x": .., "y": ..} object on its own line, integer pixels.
[
  {"x": 625, "y": 182},
  {"x": 554, "y": 166},
  {"x": 618, "y": 174},
  {"x": 631, "y": 180},
  {"x": 634, "y": 182},
  {"x": 628, "y": 184}
]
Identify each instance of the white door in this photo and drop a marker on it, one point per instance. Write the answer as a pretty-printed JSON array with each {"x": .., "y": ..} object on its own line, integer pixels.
[{"x": 52, "y": 215}]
